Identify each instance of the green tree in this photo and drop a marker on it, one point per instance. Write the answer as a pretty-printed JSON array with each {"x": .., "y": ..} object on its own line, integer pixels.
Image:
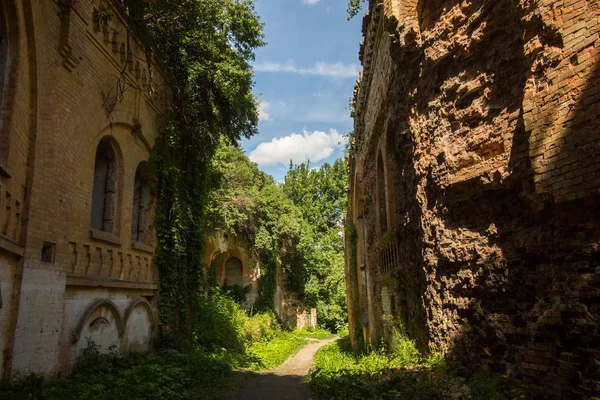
[
  {"x": 206, "y": 47},
  {"x": 321, "y": 198}
]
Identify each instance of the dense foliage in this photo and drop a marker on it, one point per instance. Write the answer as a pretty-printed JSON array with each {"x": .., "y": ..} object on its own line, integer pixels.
[
  {"x": 354, "y": 7},
  {"x": 403, "y": 373},
  {"x": 206, "y": 47},
  {"x": 295, "y": 226},
  {"x": 321, "y": 198},
  {"x": 251, "y": 209}
]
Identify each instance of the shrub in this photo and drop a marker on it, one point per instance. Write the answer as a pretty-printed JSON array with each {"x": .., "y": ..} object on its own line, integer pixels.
[
  {"x": 220, "y": 324},
  {"x": 262, "y": 326}
]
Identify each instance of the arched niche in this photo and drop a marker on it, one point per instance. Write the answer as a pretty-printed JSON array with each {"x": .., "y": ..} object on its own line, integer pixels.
[
  {"x": 234, "y": 271},
  {"x": 139, "y": 322},
  {"x": 101, "y": 324}
]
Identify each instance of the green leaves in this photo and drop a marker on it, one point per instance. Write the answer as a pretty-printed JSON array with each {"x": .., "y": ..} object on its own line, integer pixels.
[
  {"x": 318, "y": 272},
  {"x": 206, "y": 47},
  {"x": 354, "y": 7}
]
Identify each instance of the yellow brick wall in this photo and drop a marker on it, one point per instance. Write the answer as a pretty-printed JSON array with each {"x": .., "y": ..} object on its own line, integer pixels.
[{"x": 54, "y": 120}]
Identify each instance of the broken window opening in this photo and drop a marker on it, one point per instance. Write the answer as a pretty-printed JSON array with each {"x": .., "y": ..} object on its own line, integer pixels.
[
  {"x": 142, "y": 201},
  {"x": 104, "y": 195}
]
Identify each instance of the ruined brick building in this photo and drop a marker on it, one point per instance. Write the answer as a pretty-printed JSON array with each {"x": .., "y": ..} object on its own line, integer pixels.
[
  {"x": 475, "y": 186},
  {"x": 80, "y": 100},
  {"x": 236, "y": 264}
]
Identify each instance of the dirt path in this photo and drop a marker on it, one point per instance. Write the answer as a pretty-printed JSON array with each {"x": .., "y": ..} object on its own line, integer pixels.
[{"x": 286, "y": 382}]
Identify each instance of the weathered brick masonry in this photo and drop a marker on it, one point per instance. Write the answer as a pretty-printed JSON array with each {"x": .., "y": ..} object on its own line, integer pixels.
[
  {"x": 76, "y": 236},
  {"x": 475, "y": 185}
]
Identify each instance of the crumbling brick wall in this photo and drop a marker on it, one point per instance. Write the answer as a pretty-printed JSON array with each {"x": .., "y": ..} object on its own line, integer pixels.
[{"x": 485, "y": 115}]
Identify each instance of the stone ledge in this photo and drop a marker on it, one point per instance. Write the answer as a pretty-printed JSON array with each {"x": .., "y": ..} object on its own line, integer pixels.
[
  {"x": 11, "y": 247},
  {"x": 142, "y": 247},
  {"x": 100, "y": 282},
  {"x": 104, "y": 236}
]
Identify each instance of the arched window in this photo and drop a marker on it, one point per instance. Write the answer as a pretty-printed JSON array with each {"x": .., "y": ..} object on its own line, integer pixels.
[
  {"x": 104, "y": 195},
  {"x": 381, "y": 197},
  {"x": 142, "y": 201},
  {"x": 234, "y": 271}
]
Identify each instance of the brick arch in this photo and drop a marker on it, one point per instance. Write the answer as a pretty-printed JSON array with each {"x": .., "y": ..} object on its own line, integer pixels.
[{"x": 99, "y": 303}]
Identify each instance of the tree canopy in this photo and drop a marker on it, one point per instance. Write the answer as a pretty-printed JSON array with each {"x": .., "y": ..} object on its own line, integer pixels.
[
  {"x": 295, "y": 226},
  {"x": 206, "y": 47}
]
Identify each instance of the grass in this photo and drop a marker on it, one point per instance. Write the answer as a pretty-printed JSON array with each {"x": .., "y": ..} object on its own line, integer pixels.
[
  {"x": 339, "y": 373},
  {"x": 162, "y": 375},
  {"x": 166, "y": 374},
  {"x": 320, "y": 334},
  {"x": 268, "y": 355}
]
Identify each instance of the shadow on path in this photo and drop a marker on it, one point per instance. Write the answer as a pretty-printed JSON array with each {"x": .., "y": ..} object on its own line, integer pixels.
[{"x": 286, "y": 382}]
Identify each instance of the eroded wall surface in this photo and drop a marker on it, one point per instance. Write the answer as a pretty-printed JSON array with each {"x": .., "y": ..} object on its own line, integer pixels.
[{"x": 475, "y": 179}]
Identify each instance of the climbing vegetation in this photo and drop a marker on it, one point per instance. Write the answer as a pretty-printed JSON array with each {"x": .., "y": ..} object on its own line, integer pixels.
[{"x": 206, "y": 47}]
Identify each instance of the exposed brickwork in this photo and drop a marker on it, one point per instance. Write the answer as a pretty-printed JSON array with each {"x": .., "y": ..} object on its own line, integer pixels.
[
  {"x": 485, "y": 116},
  {"x": 60, "y": 100}
]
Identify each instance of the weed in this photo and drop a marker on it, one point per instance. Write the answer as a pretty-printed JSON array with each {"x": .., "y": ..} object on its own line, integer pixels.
[
  {"x": 314, "y": 334},
  {"x": 399, "y": 373}
]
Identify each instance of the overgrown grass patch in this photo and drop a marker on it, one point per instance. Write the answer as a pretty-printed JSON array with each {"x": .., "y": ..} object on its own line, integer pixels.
[
  {"x": 269, "y": 354},
  {"x": 166, "y": 374},
  {"x": 320, "y": 334},
  {"x": 339, "y": 373}
]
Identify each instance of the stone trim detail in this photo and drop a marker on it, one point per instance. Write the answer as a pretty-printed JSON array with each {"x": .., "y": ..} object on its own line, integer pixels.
[
  {"x": 105, "y": 236},
  {"x": 90, "y": 309},
  {"x": 137, "y": 245},
  {"x": 11, "y": 247},
  {"x": 86, "y": 281}
]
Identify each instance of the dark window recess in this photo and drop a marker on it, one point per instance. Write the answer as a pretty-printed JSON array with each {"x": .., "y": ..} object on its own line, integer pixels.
[
  {"x": 234, "y": 272},
  {"x": 104, "y": 195},
  {"x": 141, "y": 205},
  {"x": 48, "y": 250}
]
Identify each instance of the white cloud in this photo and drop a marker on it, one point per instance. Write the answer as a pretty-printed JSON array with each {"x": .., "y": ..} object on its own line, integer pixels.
[
  {"x": 333, "y": 70},
  {"x": 311, "y": 2},
  {"x": 263, "y": 111},
  {"x": 315, "y": 146}
]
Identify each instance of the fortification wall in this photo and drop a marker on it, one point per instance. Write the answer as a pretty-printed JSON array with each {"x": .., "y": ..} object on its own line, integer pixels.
[{"x": 475, "y": 184}]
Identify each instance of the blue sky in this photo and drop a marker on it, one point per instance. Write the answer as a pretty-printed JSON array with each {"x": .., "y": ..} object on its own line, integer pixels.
[{"x": 304, "y": 79}]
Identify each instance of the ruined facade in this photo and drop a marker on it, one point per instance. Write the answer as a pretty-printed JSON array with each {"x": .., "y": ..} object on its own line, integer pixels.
[
  {"x": 80, "y": 102},
  {"x": 475, "y": 186},
  {"x": 236, "y": 264}
]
